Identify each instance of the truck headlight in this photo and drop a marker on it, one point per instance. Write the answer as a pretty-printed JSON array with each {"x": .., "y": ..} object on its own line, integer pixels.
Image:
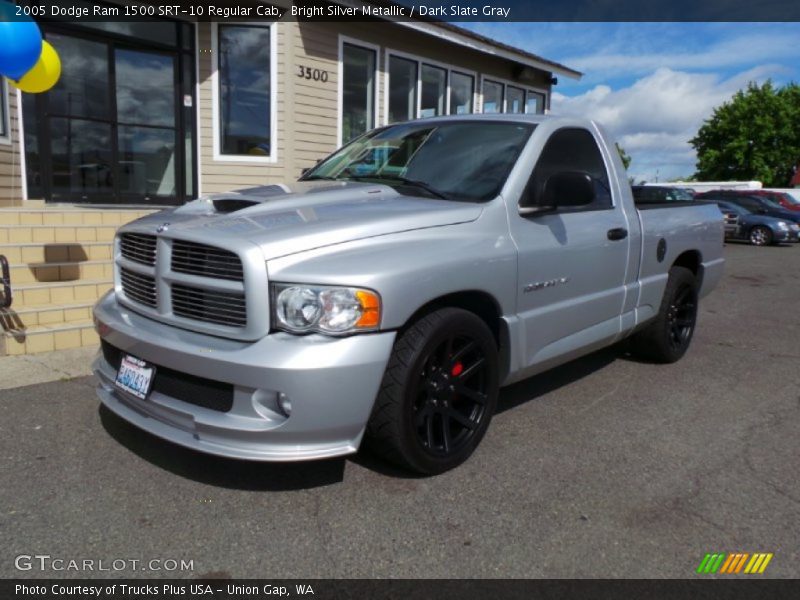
[{"x": 333, "y": 310}]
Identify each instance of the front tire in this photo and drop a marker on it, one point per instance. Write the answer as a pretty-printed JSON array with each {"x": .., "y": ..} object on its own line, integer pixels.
[
  {"x": 667, "y": 337},
  {"x": 438, "y": 394},
  {"x": 760, "y": 236}
]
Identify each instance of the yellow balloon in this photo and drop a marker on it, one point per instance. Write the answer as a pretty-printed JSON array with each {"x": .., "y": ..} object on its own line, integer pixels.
[{"x": 44, "y": 74}]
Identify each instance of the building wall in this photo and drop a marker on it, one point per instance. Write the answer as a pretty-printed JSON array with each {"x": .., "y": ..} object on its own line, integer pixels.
[
  {"x": 308, "y": 111},
  {"x": 10, "y": 165}
]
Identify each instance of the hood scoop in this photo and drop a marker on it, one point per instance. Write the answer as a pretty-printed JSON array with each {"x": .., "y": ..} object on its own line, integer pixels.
[{"x": 231, "y": 205}]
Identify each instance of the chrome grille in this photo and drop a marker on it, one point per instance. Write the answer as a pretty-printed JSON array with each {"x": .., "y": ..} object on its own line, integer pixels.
[
  {"x": 211, "y": 306},
  {"x": 206, "y": 261},
  {"x": 138, "y": 247},
  {"x": 139, "y": 288}
]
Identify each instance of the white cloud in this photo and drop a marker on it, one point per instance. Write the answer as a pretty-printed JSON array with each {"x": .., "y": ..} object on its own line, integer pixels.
[
  {"x": 656, "y": 116},
  {"x": 748, "y": 48}
]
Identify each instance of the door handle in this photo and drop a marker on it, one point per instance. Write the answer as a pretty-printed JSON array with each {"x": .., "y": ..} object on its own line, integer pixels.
[{"x": 618, "y": 233}]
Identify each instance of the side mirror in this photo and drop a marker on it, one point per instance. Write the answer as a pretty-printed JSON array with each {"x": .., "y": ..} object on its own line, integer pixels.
[{"x": 564, "y": 189}]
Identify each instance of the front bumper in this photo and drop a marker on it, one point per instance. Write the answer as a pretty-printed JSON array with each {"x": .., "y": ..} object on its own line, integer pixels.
[{"x": 331, "y": 383}]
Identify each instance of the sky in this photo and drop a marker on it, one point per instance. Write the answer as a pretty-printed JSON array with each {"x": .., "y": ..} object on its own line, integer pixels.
[{"x": 653, "y": 84}]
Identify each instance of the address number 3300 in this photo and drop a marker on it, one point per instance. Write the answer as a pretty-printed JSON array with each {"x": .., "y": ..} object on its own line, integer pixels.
[{"x": 314, "y": 74}]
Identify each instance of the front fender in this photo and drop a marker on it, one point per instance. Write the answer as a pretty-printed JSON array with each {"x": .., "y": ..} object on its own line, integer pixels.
[{"x": 412, "y": 268}]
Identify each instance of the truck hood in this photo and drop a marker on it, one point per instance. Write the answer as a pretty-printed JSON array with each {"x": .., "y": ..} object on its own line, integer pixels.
[{"x": 285, "y": 219}]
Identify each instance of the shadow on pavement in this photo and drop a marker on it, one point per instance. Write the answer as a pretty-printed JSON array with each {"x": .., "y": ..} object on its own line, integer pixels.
[
  {"x": 217, "y": 471},
  {"x": 549, "y": 381}
]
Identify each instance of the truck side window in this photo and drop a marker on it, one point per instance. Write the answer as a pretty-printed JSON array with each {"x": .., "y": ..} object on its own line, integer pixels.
[{"x": 570, "y": 149}]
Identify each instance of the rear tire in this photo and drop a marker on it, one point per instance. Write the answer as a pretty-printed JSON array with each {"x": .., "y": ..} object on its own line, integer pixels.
[
  {"x": 667, "y": 337},
  {"x": 760, "y": 236},
  {"x": 438, "y": 393}
]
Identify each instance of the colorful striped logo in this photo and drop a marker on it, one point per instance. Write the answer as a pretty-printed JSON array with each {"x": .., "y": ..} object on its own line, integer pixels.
[{"x": 735, "y": 563}]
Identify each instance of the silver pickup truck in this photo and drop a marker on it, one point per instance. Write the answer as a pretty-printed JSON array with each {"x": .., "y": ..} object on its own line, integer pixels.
[{"x": 387, "y": 295}]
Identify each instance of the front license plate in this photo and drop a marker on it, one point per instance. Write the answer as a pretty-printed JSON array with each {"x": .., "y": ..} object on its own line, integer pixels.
[{"x": 135, "y": 376}]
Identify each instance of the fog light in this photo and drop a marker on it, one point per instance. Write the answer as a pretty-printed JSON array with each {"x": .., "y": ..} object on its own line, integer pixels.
[{"x": 285, "y": 404}]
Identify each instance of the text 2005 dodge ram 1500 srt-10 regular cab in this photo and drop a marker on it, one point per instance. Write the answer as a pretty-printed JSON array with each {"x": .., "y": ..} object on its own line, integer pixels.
[{"x": 388, "y": 295}]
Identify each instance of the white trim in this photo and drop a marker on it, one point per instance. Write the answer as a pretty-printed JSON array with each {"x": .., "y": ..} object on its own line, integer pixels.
[
  {"x": 343, "y": 39},
  {"x": 273, "y": 94},
  {"x": 6, "y": 138},
  {"x": 198, "y": 146},
  {"x": 516, "y": 84},
  {"x": 23, "y": 166},
  {"x": 486, "y": 48},
  {"x": 420, "y": 61}
]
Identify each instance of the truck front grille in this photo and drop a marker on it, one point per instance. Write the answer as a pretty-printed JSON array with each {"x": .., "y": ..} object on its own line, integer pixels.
[
  {"x": 206, "y": 261},
  {"x": 139, "y": 288},
  {"x": 138, "y": 247},
  {"x": 193, "y": 285},
  {"x": 211, "y": 306}
]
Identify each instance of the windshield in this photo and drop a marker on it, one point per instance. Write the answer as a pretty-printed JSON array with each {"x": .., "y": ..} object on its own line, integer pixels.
[
  {"x": 790, "y": 199},
  {"x": 457, "y": 160}
]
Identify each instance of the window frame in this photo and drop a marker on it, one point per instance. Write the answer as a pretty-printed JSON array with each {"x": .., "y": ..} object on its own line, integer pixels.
[
  {"x": 343, "y": 39},
  {"x": 5, "y": 120},
  {"x": 421, "y": 60},
  {"x": 216, "y": 116},
  {"x": 519, "y": 85},
  {"x": 463, "y": 73}
]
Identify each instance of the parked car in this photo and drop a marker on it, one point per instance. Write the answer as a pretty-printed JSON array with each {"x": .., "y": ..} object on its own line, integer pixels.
[
  {"x": 788, "y": 199},
  {"x": 391, "y": 303},
  {"x": 651, "y": 194},
  {"x": 756, "y": 204},
  {"x": 759, "y": 230}
]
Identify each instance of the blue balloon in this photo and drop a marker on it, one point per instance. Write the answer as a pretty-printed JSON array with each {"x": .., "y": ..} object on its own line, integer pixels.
[{"x": 20, "y": 42}]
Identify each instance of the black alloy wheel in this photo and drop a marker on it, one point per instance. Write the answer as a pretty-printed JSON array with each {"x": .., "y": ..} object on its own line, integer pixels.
[
  {"x": 451, "y": 395},
  {"x": 438, "y": 393}
]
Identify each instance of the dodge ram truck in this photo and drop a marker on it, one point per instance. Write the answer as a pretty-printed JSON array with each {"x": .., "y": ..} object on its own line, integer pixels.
[{"x": 387, "y": 295}]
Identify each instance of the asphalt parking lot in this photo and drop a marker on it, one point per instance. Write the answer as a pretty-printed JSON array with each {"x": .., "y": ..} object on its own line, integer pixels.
[{"x": 605, "y": 467}]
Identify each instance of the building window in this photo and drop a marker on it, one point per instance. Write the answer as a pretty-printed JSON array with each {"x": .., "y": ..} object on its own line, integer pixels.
[
  {"x": 244, "y": 74},
  {"x": 534, "y": 103},
  {"x": 416, "y": 88},
  {"x": 434, "y": 91},
  {"x": 462, "y": 89},
  {"x": 506, "y": 97},
  {"x": 492, "y": 96},
  {"x": 402, "y": 89},
  {"x": 515, "y": 100},
  {"x": 4, "y": 129},
  {"x": 358, "y": 90}
]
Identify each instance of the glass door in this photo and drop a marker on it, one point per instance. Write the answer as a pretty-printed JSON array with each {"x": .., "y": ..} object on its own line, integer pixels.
[
  {"x": 146, "y": 124},
  {"x": 116, "y": 128}
]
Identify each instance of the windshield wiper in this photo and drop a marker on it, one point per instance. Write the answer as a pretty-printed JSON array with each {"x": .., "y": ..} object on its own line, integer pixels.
[
  {"x": 403, "y": 180},
  {"x": 317, "y": 177}
]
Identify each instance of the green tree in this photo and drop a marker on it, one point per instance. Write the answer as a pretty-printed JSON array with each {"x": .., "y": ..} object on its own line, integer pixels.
[
  {"x": 753, "y": 136},
  {"x": 626, "y": 159}
]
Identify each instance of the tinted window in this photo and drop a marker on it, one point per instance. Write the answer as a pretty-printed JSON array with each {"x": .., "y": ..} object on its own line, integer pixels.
[
  {"x": 358, "y": 91},
  {"x": 244, "y": 90},
  {"x": 465, "y": 160},
  {"x": 571, "y": 150},
  {"x": 402, "y": 89}
]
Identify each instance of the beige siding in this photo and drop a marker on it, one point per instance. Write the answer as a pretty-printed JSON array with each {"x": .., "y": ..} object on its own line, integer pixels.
[{"x": 10, "y": 168}]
